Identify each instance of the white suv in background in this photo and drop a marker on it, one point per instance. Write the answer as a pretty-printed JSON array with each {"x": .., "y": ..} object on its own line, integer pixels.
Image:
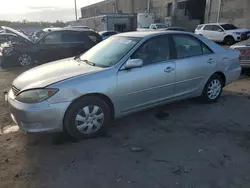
[{"x": 222, "y": 32}]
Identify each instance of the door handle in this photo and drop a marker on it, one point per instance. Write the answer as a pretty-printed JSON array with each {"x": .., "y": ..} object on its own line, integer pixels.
[
  {"x": 210, "y": 61},
  {"x": 169, "y": 69}
]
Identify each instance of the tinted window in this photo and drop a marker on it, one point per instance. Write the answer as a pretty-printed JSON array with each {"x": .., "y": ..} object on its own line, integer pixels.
[
  {"x": 199, "y": 27},
  {"x": 206, "y": 50},
  {"x": 208, "y": 27},
  {"x": 53, "y": 38},
  {"x": 72, "y": 37},
  {"x": 153, "y": 51},
  {"x": 228, "y": 26},
  {"x": 94, "y": 37},
  {"x": 215, "y": 27},
  {"x": 187, "y": 46}
]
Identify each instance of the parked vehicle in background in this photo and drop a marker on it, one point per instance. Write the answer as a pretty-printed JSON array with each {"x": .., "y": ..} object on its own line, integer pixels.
[
  {"x": 51, "y": 46},
  {"x": 78, "y": 27},
  {"x": 38, "y": 34},
  {"x": 176, "y": 29},
  {"x": 82, "y": 95},
  {"x": 158, "y": 26},
  {"x": 222, "y": 32},
  {"x": 244, "y": 48},
  {"x": 107, "y": 34},
  {"x": 154, "y": 26},
  {"x": 6, "y": 37}
]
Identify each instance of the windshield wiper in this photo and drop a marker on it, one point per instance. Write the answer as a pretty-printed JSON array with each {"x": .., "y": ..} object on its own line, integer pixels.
[{"x": 86, "y": 61}]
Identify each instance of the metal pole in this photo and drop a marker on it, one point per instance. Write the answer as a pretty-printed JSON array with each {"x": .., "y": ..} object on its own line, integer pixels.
[
  {"x": 218, "y": 14},
  {"x": 75, "y": 10}
]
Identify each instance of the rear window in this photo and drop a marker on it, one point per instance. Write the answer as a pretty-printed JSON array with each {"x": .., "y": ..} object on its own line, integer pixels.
[{"x": 199, "y": 27}]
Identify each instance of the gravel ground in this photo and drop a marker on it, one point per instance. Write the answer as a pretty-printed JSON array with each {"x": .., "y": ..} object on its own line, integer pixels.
[{"x": 184, "y": 145}]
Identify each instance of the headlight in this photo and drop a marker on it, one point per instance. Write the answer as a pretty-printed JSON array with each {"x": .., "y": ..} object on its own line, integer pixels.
[{"x": 36, "y": 95}]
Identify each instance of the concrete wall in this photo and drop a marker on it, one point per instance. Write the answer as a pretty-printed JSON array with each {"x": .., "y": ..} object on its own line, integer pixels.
[
  {"x": 125, "y": 6},
  {"x": 95, "y": 9},
  {"x": 232, "y": 11}
]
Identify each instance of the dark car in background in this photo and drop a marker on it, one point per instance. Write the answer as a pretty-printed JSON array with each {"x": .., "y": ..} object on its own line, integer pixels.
[
  {"x": 59, "y": 44},
  {"x": 107, "y": 34},
  {"x": 6, "y": 37},
  {"x": 176, "y": 29}
]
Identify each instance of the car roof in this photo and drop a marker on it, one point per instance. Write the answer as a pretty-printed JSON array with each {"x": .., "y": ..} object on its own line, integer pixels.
[
  {"x": 143, "y": 34},
  {"x": 72, "y": 29}
]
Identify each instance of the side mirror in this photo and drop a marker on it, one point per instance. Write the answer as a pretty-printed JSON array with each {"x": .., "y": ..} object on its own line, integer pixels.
[
  {"x": 133, "y": 63},
  {"x": 220, "y": 30}
]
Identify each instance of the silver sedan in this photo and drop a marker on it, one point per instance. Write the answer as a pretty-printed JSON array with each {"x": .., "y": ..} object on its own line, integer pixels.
[
  {"x": 126, "y": 73},
  {"x": 244, "y": 48}
]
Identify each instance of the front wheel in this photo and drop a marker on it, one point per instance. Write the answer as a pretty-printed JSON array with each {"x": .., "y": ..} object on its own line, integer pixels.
[
  {"x": 229, "y": 41},
  {"x": 25, "y": 60},
  {"x": 213, "y": 89},
  {"x": 87, "y": 117}
]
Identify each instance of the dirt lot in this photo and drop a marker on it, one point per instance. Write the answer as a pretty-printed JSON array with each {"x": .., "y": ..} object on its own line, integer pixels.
[{"x": 191, "y": 145}]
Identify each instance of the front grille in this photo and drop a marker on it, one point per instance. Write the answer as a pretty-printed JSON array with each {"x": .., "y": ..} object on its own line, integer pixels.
[{"x": 15, "y": 90}]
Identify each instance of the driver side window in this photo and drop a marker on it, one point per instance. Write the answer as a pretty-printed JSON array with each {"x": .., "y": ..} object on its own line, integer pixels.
[
  {"x": 53, "y": 38},
  {"x": 153, "y": 51}
]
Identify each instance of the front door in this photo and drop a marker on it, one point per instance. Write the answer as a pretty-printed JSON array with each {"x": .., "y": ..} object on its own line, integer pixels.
[
  {"x": 150, "y": 84},
  {"x": 51, "y": 47},
  {"x": 195, "y": 62}
]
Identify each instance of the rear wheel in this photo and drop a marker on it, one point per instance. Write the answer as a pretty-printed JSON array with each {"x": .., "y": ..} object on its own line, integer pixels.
[
  {"x": 87, "y": 117},
  {"x": 229, "y": 40},
  {"x": 213, "y": 89},
  {"x": 25, "y": 60}
]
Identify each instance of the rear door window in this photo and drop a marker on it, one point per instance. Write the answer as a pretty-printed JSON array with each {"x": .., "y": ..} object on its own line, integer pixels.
[
  {"x": 208, "y": 28},
  {"x": 53, "y": 38},
  {"x": 187, "y": 46}
]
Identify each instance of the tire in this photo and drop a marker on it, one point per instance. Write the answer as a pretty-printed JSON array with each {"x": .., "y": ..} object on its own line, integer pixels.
[
  {"x": 84, "y": 119},
  {"x": 24, "y": 60},
  {"x": 213, "y": 89},
  {"x": 229, "y": 40}
]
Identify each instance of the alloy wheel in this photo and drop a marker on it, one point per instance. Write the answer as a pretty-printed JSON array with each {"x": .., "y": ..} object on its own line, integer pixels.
[
  {"x": 24, "y": 60},
  {"x": 214, "y": 89}
]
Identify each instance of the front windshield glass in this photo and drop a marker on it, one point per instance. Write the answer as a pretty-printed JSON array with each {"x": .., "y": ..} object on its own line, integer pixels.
[
  {"x": 160, "y": 26},
  {"x": 228, "y": 26},
  {"x": 109, "y": 52}
]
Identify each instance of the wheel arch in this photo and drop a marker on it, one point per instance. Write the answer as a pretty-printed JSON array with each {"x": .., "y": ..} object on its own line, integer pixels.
[
  {"x": 99, "y": 95},
  {"x": 228, "y": 36},
  {"x": 222, "y": 75}
]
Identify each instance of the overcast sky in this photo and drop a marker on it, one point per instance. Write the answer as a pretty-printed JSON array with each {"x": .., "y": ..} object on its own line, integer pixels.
[{"x": 41, "y": 10}]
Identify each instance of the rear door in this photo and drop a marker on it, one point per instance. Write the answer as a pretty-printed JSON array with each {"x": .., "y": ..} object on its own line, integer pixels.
[
  {"x": 153, "y": 82},
  {"x": 218, "y": 33},
  {"x": 195, "y": 62},
  {"x": 207, "y": 32}
]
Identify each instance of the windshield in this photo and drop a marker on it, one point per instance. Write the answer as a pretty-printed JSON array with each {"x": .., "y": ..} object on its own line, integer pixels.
[
  {"x": 8, "y": 29},
  {"x": 228, "y": 26},
  {"x": 109, "y": 52},
  {"x": 160, "y": 26}
]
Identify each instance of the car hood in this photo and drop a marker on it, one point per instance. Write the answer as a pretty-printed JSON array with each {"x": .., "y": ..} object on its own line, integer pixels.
[
  {"x": 53, "y": 72},
  {"x": 239, "y": 30},
  {"x": 242, "y": 43},
  {"x": 21, "y": 35}
]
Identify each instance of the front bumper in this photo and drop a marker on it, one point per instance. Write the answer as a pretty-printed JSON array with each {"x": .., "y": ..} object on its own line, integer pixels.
[{"x": 41, "y": 117}]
